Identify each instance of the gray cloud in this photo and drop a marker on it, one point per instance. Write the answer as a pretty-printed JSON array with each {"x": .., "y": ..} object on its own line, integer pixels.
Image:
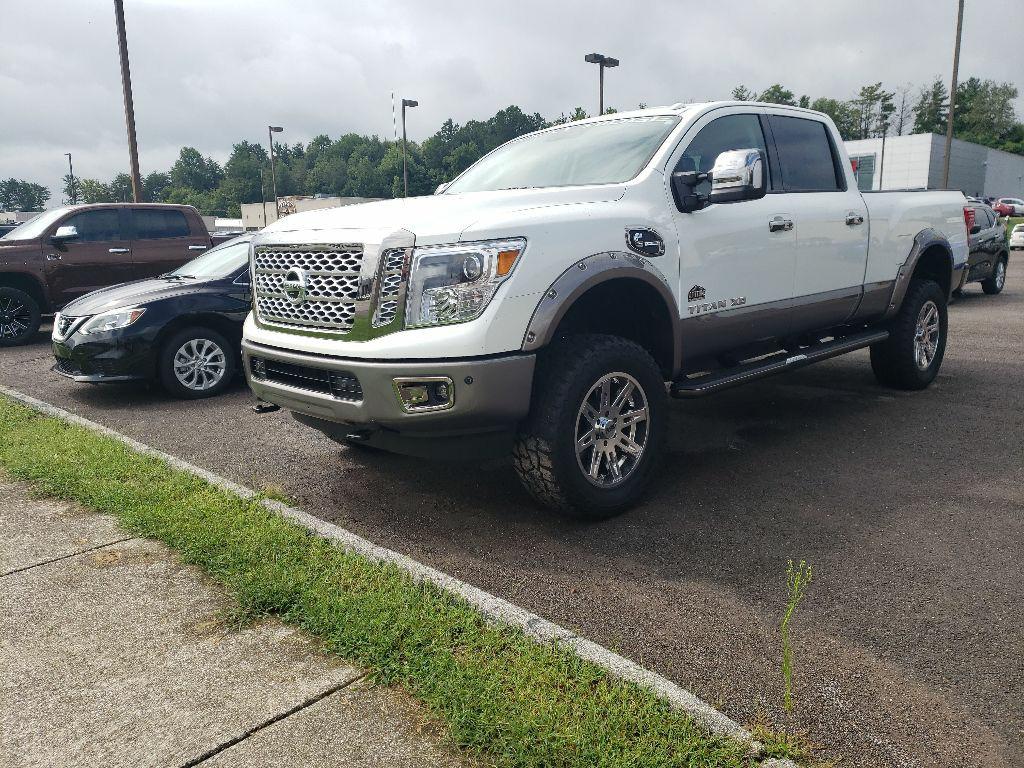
[{"x": 210, "y": 73}]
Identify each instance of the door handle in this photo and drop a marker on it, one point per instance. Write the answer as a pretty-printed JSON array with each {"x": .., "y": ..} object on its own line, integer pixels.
[
  {"x": 197, "y": 247},
  {"x": 780, "y": 224},
  {"x": 853, "y": 219},
  {"x": 53, "y": 257},
  {"x": 119, "y": 250}
]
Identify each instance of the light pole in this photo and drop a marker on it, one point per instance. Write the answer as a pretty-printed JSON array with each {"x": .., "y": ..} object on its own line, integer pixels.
[
  {"x": 72, "y": 191},
  {"x": 952, "y": 94},
  {"x": 405, "y": 163},
  {"x": 602, "y": 61},
  {"x": 271, "y": 130},
  {"x": 129, "y": 104},
  {"x": 263, "y": 198}
]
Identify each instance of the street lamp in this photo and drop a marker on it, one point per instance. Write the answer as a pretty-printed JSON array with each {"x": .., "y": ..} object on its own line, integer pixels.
[
  {"x": 271, "y": 130},
  {"x": 602, "y": 61},
  {"x": 405, "y": 163},
  {"x": 72, "y": 191}
]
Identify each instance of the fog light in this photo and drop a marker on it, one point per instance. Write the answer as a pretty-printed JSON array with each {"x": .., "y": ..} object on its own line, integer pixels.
[{"x": 429, "y": 393}]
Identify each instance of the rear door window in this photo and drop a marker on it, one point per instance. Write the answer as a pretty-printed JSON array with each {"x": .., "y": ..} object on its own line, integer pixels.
[
  {"x": 807, "y": 159},
  {"x": 156, "y": 224},
  {"x": 95, "y": 226}
]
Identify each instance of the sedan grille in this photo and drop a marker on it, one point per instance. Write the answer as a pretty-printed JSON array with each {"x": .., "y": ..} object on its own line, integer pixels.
[{"x": 331, "y": 276}]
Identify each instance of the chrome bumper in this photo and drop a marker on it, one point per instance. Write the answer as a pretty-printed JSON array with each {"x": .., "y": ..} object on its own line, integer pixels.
[{"x": 489, "y": 394}]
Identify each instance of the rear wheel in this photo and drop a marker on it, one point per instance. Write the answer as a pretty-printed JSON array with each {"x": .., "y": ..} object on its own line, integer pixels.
[
  {"x": 995, "y": 282},
  {"x": 912, "y": 355},
  {"x": 196, "y": 363},
  {"x": 19, "y": 317},
  {"x": 595, "y": 432}
]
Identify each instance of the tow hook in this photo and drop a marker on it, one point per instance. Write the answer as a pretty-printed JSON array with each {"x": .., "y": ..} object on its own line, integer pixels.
[{"x": 262, "y": 406}]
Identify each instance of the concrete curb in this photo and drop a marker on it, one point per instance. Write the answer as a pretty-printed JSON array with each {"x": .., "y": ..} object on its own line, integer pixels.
[{"x": 493, "y": 607}]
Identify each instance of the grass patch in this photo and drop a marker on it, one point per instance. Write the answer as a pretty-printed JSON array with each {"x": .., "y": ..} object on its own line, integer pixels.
[{"x": 503, "y": 697}]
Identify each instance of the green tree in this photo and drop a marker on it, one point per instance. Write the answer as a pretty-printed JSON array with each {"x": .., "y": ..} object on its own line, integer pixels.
[
  {"x": 154, "y": 186},
  {"x": 932, "y": 108},
  {"x": 842, "y": 114},
  {"x": 193, "y": 171},
  {"x": 94, "y": 191},
  {"x": 777, "y": 94},
  {"x": 742, "y": 93},
  {"x": 21, "y": 195},
  {"x": 72, "y": 191}
]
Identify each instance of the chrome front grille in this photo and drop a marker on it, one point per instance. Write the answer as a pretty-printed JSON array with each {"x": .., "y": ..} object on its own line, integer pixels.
[{"x": 331, "y": 274}]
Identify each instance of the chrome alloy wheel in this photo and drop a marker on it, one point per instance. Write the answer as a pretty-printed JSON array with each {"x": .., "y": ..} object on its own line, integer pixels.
[
  {"x": 926, "y": 335},
  {"x": 199, "y": 364},
  {"x": 612, "y": 428},
  {"x": 1000, "y": 275},
  {"x": 14, "y": 318}
]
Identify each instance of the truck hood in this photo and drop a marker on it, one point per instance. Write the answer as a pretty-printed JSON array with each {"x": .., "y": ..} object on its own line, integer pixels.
[
  {"x": 437, "y": 218},
  {"x": 132, "y": 294},
  {"x": 17, "y": 250}
]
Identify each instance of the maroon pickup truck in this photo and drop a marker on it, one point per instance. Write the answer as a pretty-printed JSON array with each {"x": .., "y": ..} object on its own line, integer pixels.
[{"x": 67, "y": 252}]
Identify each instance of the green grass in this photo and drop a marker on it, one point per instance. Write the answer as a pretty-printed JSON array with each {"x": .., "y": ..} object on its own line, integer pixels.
[{"x": 504, "y": 698}]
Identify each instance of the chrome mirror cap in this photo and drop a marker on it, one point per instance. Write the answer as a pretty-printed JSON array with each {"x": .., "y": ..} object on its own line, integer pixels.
[
  {"x": 738, "y": 174},
  {"x": 66, "y": 232}
]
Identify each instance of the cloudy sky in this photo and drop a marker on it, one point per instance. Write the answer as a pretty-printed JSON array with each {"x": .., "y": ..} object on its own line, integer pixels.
[{"x": 208, "y": 73}]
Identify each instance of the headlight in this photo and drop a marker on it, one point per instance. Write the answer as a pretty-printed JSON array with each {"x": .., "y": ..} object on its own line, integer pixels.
[
  {"x": 111, "y": 321},
  {"x": 454, "y": 283}
]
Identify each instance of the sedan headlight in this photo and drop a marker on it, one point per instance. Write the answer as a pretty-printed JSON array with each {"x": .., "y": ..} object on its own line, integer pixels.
[
  {"x": 454, "y": 283},
  {"x": 111, "y": 321}
]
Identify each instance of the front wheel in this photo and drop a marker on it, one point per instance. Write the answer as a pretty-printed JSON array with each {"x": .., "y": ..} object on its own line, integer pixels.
[
  {"x": 19, "y": 317},
  {"x": 994, "y": 283},
  {"x": 195, "y": 363},
  {"x": 596, "y": 428},
  {"x": 912, "y": 355}
]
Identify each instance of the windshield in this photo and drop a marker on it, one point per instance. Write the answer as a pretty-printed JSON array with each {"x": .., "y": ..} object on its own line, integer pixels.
[
  {"x": 607, "y": 152},
  {"x": 35, "y": 227},
  {"x": 221, "y": 261}
]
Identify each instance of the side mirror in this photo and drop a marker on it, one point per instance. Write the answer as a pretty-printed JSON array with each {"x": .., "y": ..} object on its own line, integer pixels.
[
  {"x": 975, "y": 229},
  {"x": 684, "y": 186},
  {"x": 65, "y": 234},
  {"x": 738, "y": 174}
]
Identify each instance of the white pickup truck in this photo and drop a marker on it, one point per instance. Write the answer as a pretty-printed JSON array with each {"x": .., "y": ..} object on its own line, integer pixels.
[{"x": 561, "y": 289}]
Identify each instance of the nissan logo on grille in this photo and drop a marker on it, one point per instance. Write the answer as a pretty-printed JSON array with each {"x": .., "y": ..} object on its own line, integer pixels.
[{"x": 294, "y": 286}]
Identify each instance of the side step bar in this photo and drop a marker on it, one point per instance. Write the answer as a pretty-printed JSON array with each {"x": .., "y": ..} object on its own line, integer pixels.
[{"x": 710, "y": 383}]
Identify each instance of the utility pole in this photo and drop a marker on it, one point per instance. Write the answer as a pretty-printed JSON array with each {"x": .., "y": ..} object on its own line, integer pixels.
[
  {"x": 602, "y": 61},
  {"x": 271, "y": 130},
  {"x": 129, "y": 104},
  {"x": 952, "y": 94},
  {"x": 881, "y": 163},
  {"x": 72, "y": 189},
  {"x": 405, "y": 164}
]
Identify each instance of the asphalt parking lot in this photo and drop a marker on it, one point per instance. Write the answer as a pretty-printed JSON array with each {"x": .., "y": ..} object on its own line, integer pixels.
[{"x": 909, "y": 506}]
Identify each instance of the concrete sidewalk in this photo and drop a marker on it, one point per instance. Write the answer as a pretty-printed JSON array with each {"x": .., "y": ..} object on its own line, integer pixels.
[{"x": 114, "y": 653}]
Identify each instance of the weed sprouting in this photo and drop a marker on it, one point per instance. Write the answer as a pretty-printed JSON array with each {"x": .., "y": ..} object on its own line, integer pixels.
[{"x": 797, "y": 579}]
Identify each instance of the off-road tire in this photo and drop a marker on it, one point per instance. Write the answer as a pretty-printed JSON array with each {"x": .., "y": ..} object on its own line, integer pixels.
[
  {"x": 994, "y": 284},
  {"x": 893, "y": 361},
  {"x": 544, "y": 455},
  {"x": 27, "y": 308},
  {"x": 165, "y": 363}
]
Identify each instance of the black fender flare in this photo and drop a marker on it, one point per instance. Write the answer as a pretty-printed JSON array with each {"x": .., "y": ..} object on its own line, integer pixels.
[
  {"x": 924, "y": 240},
  {"x": 584, "y": 275}
]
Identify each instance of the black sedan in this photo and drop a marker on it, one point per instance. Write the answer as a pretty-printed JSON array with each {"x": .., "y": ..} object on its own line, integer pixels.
[{"x": 182, "y": 329}]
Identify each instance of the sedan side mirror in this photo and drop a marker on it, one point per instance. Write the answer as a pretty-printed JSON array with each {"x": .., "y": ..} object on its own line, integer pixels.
[
  {"x": 738, "y": 174},
  {"x": 975, "y": 229},
  {"x": 65, "y": 234}
]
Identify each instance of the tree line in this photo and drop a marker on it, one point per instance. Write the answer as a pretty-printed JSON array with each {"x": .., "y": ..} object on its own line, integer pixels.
[{"x": 353, "y": 165}]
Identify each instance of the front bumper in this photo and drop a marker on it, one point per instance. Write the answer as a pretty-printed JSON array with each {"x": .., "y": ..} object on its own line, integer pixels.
[
  {"x": 108, "y": 357},
  {"x": 489, "y": 394}
]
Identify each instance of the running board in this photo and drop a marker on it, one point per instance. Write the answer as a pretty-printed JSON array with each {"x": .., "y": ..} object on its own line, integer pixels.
[{"x": 784, "y": 361}]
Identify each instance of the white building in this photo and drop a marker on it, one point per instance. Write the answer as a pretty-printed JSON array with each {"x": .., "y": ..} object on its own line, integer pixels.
[
  {"x": 916, "y": 162},
  {"x": 259, "y": 215}
]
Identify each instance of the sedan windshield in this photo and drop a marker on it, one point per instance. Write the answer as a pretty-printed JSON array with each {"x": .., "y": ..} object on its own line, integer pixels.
[
  {"x": 35, "y": 227},
  {"x": 606, "y": 152},
  {"x": 222, "y": 261}
]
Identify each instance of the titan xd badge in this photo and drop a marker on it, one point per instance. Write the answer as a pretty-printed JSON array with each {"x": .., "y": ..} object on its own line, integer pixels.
[{"x": 646, "y": 242}]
